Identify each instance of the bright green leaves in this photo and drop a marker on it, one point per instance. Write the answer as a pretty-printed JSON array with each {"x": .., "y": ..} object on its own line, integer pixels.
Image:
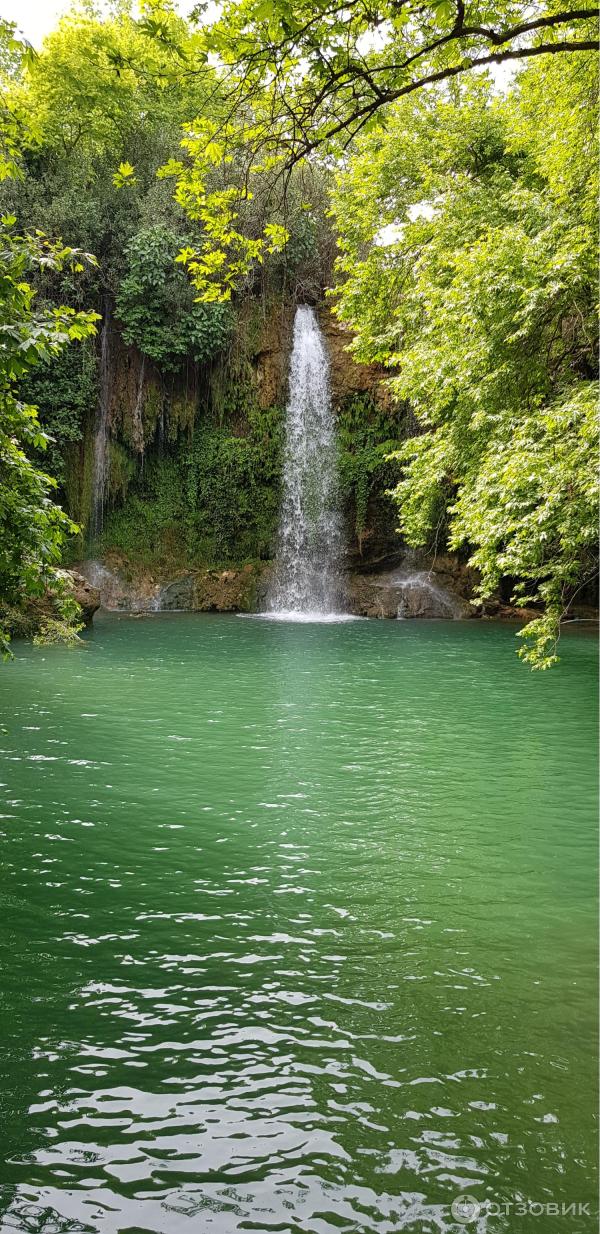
[
  {"x": 470, "y": 273},
  {"x": 125, "y": 174},
  {"x": 173, "y": 167},
  {"x": 313, "y": 75},
  {"x": 276, "y": 237},
  {"x": 228, "y": 250},
  {"x": 531, "y": 511},
  {"x": 97, "y": 85}
]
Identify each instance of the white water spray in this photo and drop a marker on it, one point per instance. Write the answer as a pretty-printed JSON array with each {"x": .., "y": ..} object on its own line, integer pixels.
[{"x": 308, "y": 581}]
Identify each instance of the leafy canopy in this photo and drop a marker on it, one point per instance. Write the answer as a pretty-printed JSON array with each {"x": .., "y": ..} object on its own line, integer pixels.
[
  {"x": 468, "y": 265},
  {"x": 32, "y": 527},
  {"x": 156, "y": 305},
  {"x": 301, "y": 76}
]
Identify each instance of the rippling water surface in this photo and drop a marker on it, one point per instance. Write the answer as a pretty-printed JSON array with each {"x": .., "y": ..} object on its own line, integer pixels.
[{"x": 299, "y": 929}]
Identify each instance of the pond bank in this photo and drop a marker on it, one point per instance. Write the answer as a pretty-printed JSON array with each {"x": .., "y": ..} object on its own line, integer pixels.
[{"x": 405, "y": 585}]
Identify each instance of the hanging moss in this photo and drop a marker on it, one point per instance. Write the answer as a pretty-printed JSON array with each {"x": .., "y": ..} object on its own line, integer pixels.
[
  {"x": 180, "y": 414},
  {"x": 368, "y": 434},
  {"x": 153, "y": 408},
  {"x": 211, "y": 499},
  {"x": 121, "y": 470}
]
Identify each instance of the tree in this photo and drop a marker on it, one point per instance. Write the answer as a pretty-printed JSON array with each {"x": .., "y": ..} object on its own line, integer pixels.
[
  {"x": 32, "y": 527},
  {"x": 469, "y": 259},
  {"x": 155, "y": 303},
  {"x": 99, "y": 109},
  {"x": 305, "y": 77},
  {"x": 330, "y": 67}
]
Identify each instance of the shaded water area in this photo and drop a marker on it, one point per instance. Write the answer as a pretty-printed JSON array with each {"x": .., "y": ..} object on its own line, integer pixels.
[{"x": 299, "y": 927}]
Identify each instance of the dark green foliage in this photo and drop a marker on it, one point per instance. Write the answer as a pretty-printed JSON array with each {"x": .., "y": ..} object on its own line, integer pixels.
[
  {"x": 64, "y": 389},
  {"x": 214, "y": 498},
  {"x": 155, "y": 303},
  {"x": 367, "y": 435},
  {"x": 32, "y": 526}
]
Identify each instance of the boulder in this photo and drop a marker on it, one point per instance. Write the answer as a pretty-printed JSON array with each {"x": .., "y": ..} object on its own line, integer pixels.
[
  {"x": 406, "y": 594},
  {"x": 87, "y": 596}
]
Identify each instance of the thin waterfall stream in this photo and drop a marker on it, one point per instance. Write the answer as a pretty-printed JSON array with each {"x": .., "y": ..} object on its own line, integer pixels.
[
  {"x": 100, "y": 456},
  {"x": 308, "y": 581}
]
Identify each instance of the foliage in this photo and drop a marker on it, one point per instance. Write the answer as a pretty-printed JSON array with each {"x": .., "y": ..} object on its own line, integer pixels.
[
  {"x": 155, "y": 303},
  {"x": 105, "y": 85},
  {"x": 64, "y": 389},
  {"x": 97, "y": 112},
  {"x": 331, "y": 67},
  {"x": 303, "y": 77},
  {"x": 213, "y": 498},
  {"x": 469, "y": 258},
  {"x": 14, "y": 56},
  {"x": 55, "y": 630},
  {"x": 226, "y": 252},
  {"x": 367, "y": 436},
  {"x": 32, "y": 526}
]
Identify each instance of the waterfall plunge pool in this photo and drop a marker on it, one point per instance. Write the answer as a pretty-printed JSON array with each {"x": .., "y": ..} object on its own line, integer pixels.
[{"x": 299, "y": 928}]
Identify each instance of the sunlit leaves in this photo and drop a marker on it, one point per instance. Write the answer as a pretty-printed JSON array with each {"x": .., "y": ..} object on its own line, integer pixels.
[
  {"x": 227, "y": 252},
  {"x": 483, "y": 305},
  {"x": 125, "y": 174}
]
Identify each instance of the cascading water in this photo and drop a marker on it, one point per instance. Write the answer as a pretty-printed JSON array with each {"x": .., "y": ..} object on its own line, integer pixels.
[
  {"x": 138, "y": 421},
  {"x": 308, "y": 582},
  {"x": 100, "y": 457}
]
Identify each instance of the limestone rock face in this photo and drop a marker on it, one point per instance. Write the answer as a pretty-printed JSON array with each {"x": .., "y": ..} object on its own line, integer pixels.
[
  {"x": 218, "y": 591},
  {"x": 347, "y": 375},
  {"x": 271, "y": 361},
  {"x": 121, "y": 588},
  {"x": 407, "y": 594}
]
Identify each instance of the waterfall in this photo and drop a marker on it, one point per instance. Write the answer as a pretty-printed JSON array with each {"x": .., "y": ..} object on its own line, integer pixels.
[
  {"x": 100, "y": 457},
  {"x": 307, "y": 582},
  {"x": 138, "y": 420}
]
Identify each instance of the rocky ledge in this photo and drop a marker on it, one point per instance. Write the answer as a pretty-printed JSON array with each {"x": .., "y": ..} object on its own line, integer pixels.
[
  {"x": 401, "y": 591},
  {"x": 87, "y": 596},
  {"x": 407, "y": 593},
  {"x": 408, "y": 585},
  {"x": 123, "y": 587}
]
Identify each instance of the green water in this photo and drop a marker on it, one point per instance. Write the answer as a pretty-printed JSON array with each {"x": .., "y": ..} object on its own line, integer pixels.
[{"x": 299, "y": 928}]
